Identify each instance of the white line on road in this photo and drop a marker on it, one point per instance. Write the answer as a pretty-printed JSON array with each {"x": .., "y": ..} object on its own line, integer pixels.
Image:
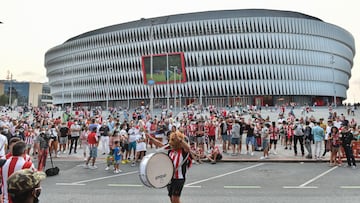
[
  {"x": 71, "y": 184},
  {"x": 124, "y": 185},
  {"x": 241, "y": 187},
  {"x": 96, "y": 179},
  {"x": 311, "y": 180},
  {"x": 300, "y": 187},
  {"x": 222, "y": 175},
  {"x": 350, "y": 187}
]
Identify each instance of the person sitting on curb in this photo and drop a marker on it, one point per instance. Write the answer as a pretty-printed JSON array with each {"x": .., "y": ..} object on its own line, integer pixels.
[{"x": 215, "y": 154}]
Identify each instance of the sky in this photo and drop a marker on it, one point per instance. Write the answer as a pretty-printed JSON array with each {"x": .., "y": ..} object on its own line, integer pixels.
[{"x": 31, "y": 27}]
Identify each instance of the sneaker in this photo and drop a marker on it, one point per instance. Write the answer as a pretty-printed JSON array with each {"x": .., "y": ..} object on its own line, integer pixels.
[
  {"x": 116, "y": 171},
  {"x": 128, "y": 161},
  {"x": 86, "y": 166},
  {"x": 213, "y": 162},
  {"x": 107, "y": 168},
  {"x": 233, "y": 154},
  {"x": 93, "y": 167},
  {"x": 85, "y": 159},
  {"x": 64, "y": 152},
  {"x": 262, "y": 158},
  {"x": 123, "y": 162},
  {"x": 119, "y": 170},
  {"x": 353, "y": 167},
  {"x": 266, "y": 157},
  {"x": 132, "y": 164},
  {"x": 252, "y": 154},
  {"x": 275, "y": 153}
]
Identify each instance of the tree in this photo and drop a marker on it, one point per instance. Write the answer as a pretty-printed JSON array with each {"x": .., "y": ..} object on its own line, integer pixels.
[{"x": 4, "y": 100}]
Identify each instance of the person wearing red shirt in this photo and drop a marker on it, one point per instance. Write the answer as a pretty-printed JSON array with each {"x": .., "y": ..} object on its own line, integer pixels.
[
  {"x": 93, "y": 144},
  {"x": 13, "y": 164},
  {"x": 211, "y": 129},
  {"x": 274, "y": 135}
]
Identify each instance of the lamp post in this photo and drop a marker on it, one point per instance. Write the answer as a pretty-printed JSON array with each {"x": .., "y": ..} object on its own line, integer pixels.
[
  {"x": 332, "y": 61},
  {"x": 63, "y": 89},
  {"x": 175, "y": 71},
  {"x": 72, "y": 90},
  {"x": 167, "y": 82},
  {"x": 200, "y": 79},
  {"x": 151, "y": 68},
  {"x": 10, "y": 89},
  {"x": 107, "y": 88}
]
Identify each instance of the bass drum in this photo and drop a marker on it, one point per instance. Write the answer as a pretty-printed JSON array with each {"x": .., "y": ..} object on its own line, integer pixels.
[{"x": 156, "y": 170}]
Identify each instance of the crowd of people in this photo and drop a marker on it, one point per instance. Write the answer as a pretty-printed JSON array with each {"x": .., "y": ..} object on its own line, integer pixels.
[{"x": 208, "y": 137}]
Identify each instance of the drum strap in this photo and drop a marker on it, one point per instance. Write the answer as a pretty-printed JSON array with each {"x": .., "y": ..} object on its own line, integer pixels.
[
  {"x": 184, "y": 160},
  {"x": 163, "y": 148}
]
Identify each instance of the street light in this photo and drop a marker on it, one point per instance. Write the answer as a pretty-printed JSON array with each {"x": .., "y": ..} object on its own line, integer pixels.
[
  {"x": 167, "y": 82},
  {"x": 107, "y": 87},
  {"x": 200, "y": 80},
  {"x": 10, "y": 76},
  {"x": 63, "y": 89},
  {"x": 72, "y": 90},
  {"x": 175, "y": 70},
  {"x": 151, "y": 68},
  {"x": 332, "y": 61}
]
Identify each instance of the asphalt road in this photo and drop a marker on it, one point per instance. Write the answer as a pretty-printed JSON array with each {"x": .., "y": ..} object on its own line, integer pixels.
[{"x": 223, "y": 182}]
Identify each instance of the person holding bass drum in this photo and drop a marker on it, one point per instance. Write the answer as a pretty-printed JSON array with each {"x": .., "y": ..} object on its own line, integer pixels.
[{"x": 179, "y": 153}]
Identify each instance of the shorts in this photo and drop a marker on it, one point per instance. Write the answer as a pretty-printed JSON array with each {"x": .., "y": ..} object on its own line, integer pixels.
[
  {"x": 117, "y": 161},
  {"x": 225, "y": 137},
  {"x": 132, "y": 145},
  {"x": 250, "y": 140},
  {"x": 63, "y": 140},
  {"x": 93, "y": 152},
  {"x": 200, "y": 140},
  {"x": 192, "y": 139},
  {"x": 175, "y": 187},
  {"x": 273, "y": 141},
  {"x": 212, "y": 138},
  {"x": 235, "y": 140},
  {"x": 125, "y": 147},
  {"x": 265, "y": 143}
]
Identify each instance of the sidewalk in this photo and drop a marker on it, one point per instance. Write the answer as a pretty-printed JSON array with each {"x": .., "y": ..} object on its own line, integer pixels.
[{"x": 281, "y": 156}]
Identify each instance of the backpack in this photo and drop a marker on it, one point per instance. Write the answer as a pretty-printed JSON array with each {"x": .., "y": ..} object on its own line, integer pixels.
[{"x": 299, "y": 130}]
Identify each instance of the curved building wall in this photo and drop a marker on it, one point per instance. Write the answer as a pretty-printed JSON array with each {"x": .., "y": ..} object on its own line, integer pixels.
[{"x": 248, "y": 54}]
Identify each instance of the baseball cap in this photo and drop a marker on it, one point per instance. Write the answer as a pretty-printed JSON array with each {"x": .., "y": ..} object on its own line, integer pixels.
[{"x": 24, "y": 180}]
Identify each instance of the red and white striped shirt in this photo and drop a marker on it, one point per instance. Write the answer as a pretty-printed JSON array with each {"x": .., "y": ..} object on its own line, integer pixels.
[
  {"x": 14, "y": 163},
  {"x": 177, "y": 157}
]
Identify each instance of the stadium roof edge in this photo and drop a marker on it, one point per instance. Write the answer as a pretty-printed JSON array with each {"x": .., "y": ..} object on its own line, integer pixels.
[{"x": 205, "y": 15}]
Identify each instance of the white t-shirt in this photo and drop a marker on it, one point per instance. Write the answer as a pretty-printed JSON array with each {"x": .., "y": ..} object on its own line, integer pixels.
[
  {"x": 3, "y": 142},
  {"x": 140, "y": 146}
]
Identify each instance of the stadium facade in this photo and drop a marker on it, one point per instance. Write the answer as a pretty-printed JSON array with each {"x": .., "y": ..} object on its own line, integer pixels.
[{"x": 228, "y": 57}]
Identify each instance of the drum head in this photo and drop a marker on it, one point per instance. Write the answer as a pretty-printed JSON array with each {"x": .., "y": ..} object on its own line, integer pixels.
[{"x": 156, "y": 170}]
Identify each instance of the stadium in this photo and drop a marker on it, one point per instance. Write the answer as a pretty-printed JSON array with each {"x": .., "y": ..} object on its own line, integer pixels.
[{"x": 228, "y": 57}]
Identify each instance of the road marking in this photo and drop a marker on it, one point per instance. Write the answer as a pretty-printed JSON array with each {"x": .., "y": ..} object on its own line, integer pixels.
[
  {"x": 304, "y": 186},
  {"x": 193, "y": 186},
  {"x": 222, "y": 175},
  {"x": 124, "y": 185},
  {"x": 71, "y": 184},
  {"x": 300, "y": 187},
  {"x": 350, "y": 187},
  {"x": 96, "y": 179},
  {"x": 241, "y": 187}
]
